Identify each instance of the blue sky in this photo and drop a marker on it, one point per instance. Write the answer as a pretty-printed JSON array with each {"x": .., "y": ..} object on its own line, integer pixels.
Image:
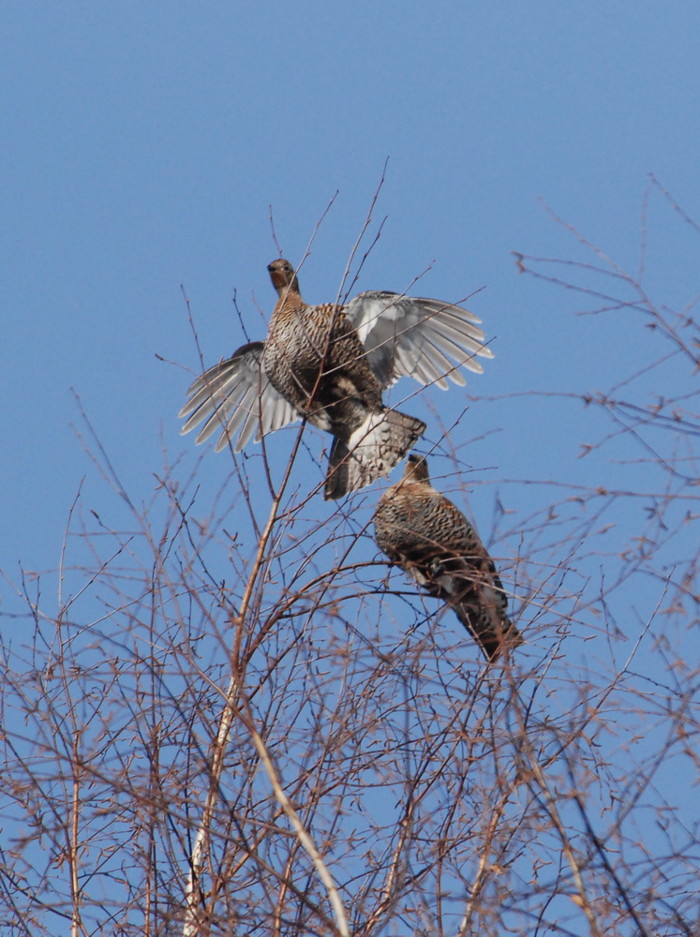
[{"x": 146, "y": 145}]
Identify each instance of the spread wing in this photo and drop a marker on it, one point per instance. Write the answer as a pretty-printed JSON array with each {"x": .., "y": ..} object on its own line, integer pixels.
[
  {"x": 426, "y": 339},
  {"x": 235, "y": 396}
]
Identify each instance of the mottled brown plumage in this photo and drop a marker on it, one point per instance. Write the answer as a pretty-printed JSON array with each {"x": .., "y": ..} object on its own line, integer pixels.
[
  {"x": 330, "y": 364},
  {"x": 314, "y": 358},
  {"x": 424, "y": 533}
]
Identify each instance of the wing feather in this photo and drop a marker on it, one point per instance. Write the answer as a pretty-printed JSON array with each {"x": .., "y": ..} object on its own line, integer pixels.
[
  {"x": 235, "y": 396},
  {"x": 426, "y": 339}
]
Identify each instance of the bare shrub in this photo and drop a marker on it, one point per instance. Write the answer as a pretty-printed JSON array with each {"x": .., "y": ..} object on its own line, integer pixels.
[{"x": 235, "y": 719}]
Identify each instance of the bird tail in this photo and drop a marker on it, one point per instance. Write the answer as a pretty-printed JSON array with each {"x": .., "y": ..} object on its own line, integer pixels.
[
  {"x": 473, "y": 589},
  {"x": 491, "y": 627},
  {"x": 372, "y": 450}
]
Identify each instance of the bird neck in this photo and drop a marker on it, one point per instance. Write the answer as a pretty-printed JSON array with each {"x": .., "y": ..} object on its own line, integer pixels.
[
  {"x": 290, "y": 300},
  {"x": 289, "y": 290}
]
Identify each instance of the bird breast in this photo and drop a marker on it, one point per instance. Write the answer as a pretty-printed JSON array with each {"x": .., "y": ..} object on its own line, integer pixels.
[{"x": 314, "y": 358}]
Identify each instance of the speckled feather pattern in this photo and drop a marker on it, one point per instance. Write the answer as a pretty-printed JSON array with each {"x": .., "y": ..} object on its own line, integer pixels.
[
  {"x": 314, "y": 358},
  {"x": 313, "y": 350},
  {"x": 424, "y": 533},
  {"x": 330, "y": 364}
]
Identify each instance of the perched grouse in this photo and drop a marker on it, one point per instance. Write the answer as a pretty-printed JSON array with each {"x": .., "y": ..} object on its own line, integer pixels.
[
  {"x": 428, "y": 536},
  {"x": 330, "y": 363}
]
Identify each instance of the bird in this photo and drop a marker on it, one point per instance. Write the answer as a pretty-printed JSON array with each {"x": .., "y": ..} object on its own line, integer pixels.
[
  {"x": 424, "y": 533},
  {"x": 330, "y": 364}
]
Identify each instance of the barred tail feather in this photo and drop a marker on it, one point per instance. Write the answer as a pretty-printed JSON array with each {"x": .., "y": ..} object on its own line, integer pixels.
[
  {"x": 493, "y": 632},
  {"x": 372, "y": 450}
]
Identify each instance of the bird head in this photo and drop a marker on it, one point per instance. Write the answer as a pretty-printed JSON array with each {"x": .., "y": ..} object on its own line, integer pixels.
[
  {"x": 416, "y": 468},
  {"x": 283, "y": 276}
]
